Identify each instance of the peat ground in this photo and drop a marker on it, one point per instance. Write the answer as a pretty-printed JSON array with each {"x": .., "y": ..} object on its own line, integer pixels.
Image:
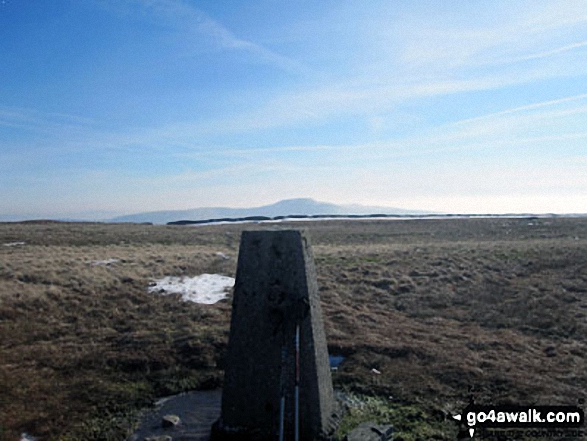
[{"x": 439, "y": 307}]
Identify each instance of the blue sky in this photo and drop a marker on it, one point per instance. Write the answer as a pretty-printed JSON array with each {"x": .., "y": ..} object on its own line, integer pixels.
[{"x": 118, "y": 106}]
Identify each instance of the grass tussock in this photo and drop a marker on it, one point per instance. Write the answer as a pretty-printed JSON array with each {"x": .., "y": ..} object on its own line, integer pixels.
[{"x": 438, "y": 307}]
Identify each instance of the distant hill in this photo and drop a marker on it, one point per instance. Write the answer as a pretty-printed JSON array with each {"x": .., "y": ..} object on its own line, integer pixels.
[{"x": 303, "y": 206}]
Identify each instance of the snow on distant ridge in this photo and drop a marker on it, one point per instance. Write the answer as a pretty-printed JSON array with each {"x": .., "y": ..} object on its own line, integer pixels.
[{"x": 206, "y": 288}]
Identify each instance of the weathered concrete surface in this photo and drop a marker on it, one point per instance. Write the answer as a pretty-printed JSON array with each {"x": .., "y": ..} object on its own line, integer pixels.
[{"x": 275, "y": 289}]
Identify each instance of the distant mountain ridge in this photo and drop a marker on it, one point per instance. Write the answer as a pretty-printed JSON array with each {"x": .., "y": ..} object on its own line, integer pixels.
[{"x": 287, "y": 207}]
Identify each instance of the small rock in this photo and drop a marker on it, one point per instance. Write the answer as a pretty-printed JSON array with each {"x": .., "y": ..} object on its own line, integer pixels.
[
  {"x": 170, "y": 421},
  {"x": 370, "y": 432},
  {"x": 550, "y": 351}
]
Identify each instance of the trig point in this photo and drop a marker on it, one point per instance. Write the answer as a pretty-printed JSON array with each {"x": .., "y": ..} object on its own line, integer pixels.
[{"x": 277, "y": 382}]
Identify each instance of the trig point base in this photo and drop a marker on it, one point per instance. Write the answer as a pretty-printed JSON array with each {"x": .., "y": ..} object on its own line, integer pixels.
[{"x": 276, "y": 294}]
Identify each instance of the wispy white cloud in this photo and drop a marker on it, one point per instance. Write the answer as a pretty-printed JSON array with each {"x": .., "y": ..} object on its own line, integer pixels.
[
  {"x": 200, "y": 32},
  {"x": 316, "y": 105},
  {"x": 525, "y": 108},
  {"x": 551, "y": 53},
  {"x": 35, "y": 120},
  {"x": 560, "y": 121},
  {"x": 520, "y": 34},
  {"x": 365, "y": 97},
  {"x": 539, "y": 17},
  {"x": 519, "y": 126}
]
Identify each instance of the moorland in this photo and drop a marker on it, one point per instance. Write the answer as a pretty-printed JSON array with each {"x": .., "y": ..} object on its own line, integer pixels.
[{"x": 442, "y": 309}]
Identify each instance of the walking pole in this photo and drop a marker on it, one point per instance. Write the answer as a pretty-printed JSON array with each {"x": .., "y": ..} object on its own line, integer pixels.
[
  {"x": 282, "y": 401},
  {"x": 297, "y": 390}
]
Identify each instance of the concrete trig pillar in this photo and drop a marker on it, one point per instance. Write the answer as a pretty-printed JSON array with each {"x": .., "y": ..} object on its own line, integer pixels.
[{"x": 275, "y": 290}]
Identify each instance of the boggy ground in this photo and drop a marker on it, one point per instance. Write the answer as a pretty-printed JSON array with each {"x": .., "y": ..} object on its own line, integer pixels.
[{"x": 442, "y": 308}]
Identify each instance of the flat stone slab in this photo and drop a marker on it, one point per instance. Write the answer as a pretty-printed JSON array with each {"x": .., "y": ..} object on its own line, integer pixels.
[{"x": 196, "y": 410}]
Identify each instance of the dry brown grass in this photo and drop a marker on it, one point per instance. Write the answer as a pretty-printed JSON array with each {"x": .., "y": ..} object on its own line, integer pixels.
[{"x": 436, "y": 306}]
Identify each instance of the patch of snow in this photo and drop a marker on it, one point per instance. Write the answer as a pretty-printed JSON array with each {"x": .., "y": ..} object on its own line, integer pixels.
[
  {"x": 206, "y": 288},
  {"x": 320, "y": 219},
  {"x": 14, "y": 244},
  {"x": 26, "y": 437},
  {"x": 104, "y": 262},
  {"x": 205, "y": 224},
  {"x": 222, "y": 255}
]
